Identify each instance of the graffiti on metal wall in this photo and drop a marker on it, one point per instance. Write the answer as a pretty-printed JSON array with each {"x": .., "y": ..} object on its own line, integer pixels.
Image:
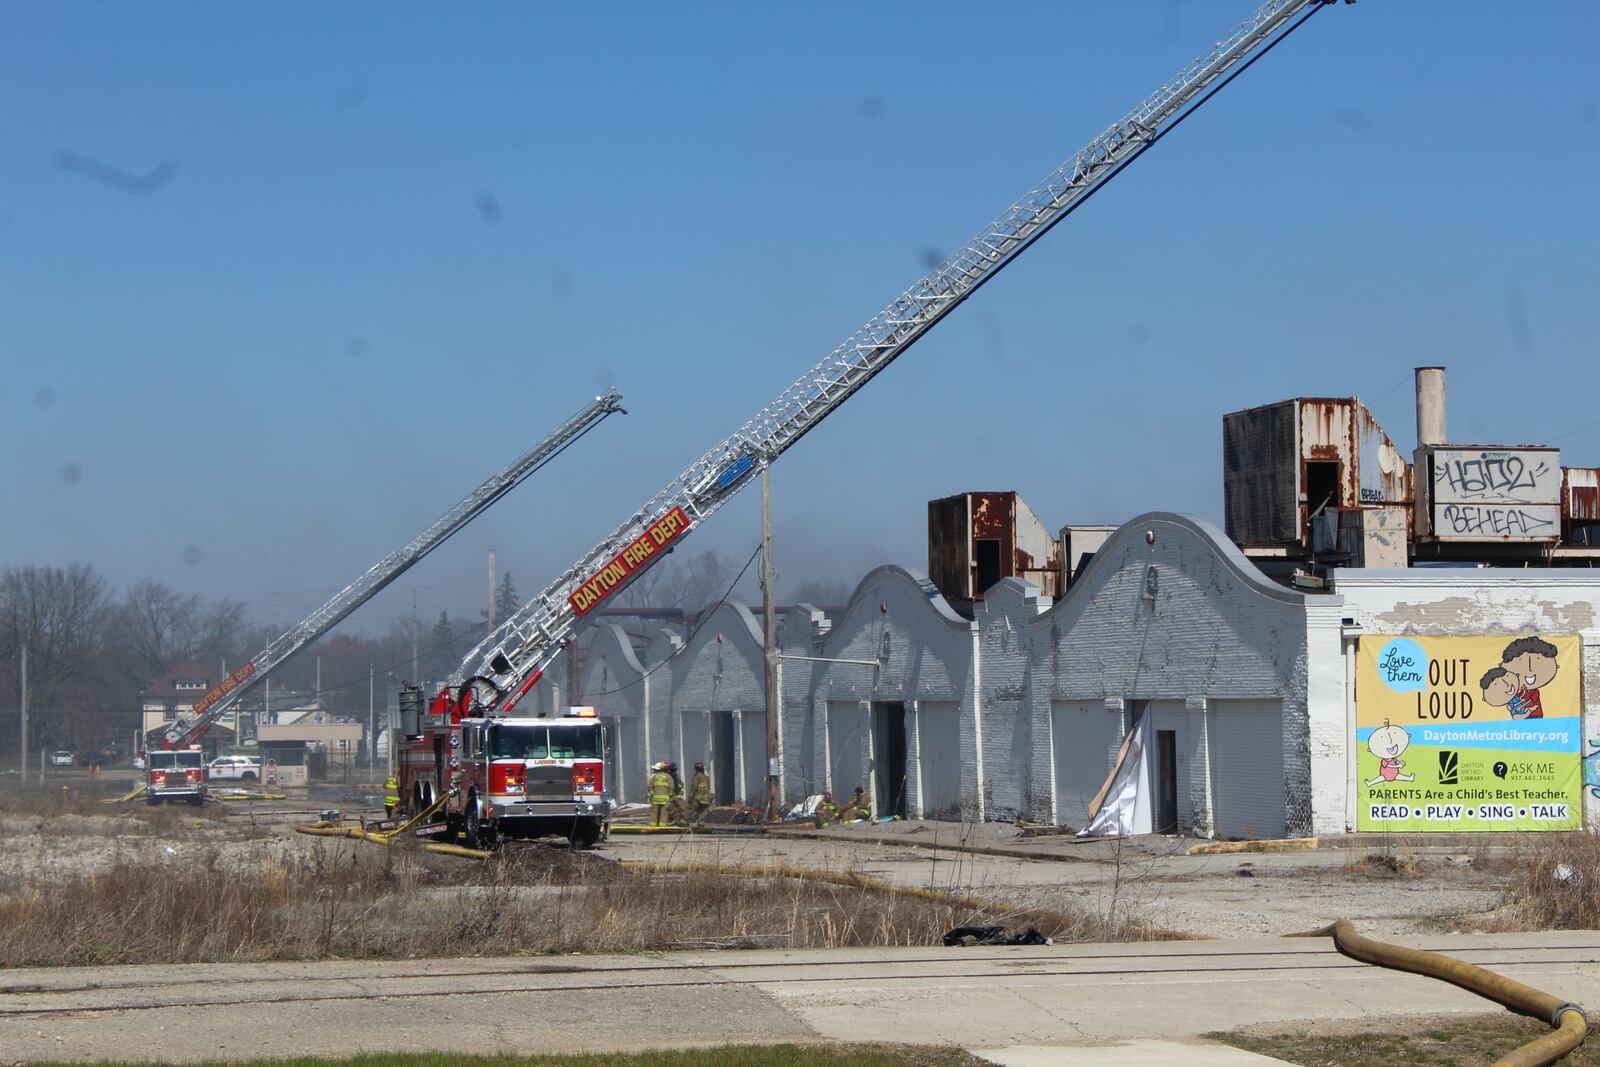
[
  {"x": 1497, "y": 520},
  {"x": 1496, "y": 494}
]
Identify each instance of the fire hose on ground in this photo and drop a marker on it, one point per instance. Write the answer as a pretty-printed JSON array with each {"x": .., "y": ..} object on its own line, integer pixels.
[
  {"x": 385, "y": 837},
  {"x": 1569, "y": 1027}
]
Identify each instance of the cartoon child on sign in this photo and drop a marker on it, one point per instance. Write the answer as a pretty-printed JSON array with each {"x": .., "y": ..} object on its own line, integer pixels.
[
  {"x": 1387, "y": 742},
  {"x": 1532, "y": 665},
  {"x": 1500, "y": 691}
]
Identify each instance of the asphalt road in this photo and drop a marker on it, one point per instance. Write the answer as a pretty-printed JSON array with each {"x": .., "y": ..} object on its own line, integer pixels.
[{"x": 979, "y": 998}]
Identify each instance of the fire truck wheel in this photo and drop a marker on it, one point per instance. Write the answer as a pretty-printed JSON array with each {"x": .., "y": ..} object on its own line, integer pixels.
[
  {"x": 477, "y": 835},
  {"x": 585, "y": 832}
]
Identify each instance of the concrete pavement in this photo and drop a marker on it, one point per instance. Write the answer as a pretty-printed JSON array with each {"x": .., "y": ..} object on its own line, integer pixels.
[{"x": 1000, "y": 999}]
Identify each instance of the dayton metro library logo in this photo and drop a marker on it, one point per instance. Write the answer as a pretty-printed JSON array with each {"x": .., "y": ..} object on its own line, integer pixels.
[{"x": 1449, "y": 766}]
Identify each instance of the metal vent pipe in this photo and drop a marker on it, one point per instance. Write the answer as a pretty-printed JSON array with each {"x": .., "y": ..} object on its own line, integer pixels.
[{"x": 1430, "y": 406}]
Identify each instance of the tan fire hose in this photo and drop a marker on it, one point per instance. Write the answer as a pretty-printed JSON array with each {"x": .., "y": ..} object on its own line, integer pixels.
[{"x": 1567, "y": 1019}]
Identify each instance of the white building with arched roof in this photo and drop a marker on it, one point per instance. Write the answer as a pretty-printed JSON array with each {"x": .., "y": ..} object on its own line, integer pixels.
[{"x": 1019, "y": 710}]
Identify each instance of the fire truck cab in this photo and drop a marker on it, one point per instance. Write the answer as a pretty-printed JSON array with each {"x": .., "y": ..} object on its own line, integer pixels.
[
  {"x": 533, "y": 777},
  {"x": 503, "y": 776},
  {"x": 174, "y": 775}
]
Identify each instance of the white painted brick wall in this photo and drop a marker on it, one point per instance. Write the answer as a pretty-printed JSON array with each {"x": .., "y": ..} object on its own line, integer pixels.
[{"x": 1213, "y": 628}]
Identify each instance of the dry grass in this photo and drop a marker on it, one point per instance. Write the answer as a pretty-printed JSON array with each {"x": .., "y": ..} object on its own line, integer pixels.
[
  {"x": 1425, "y": 1041},
  {"x": 348, "y": 899},
  {"x": 1554, "y": 883},
  {"x": 1396, "y": 861},
  {"x": 55, "y": 816},
  {"x": 725, "y": 1056}
]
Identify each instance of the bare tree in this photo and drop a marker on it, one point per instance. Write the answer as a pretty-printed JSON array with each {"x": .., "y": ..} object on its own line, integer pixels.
[
  {"x": 157, "y": 628},
  {"x": 690, "y": 584},
  {"x": 59, "y": 612}
]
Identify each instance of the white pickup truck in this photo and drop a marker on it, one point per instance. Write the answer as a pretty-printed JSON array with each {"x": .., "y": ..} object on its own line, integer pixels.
[{"x": 234, "y": 768}]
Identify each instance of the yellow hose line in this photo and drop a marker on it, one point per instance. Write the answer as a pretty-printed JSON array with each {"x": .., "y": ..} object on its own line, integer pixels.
[
  {"x": 457, "y": 850},
  {"x": 632, "y": 828},
  {"x": 419, "y": 816},
  {"x": 125, "y": 797},
  {"x": 1567, "y": 1019},
  {"x": 328, "y": 830}
]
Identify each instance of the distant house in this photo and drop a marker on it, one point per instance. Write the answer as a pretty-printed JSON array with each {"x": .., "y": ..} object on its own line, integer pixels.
[{"x": 176, "y": 692}]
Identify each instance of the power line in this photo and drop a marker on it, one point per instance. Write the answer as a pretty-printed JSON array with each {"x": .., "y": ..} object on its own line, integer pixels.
[{"x": 704, "y": 616}]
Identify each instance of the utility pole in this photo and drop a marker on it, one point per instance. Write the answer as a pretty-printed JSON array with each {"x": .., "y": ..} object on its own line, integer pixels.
[
  {"x": 318, "y": 702},
  {"x": 415, "y": 678},
  {"x": 22, "y": 753},
  {"x": 769, "y": 642},
  {"x": 491, "y": 590},
  {"x": 372, "y": 722}
]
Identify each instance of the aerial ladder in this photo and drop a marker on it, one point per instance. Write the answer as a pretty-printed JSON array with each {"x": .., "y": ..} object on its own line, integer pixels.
[
  {"x": 210, "y": 707},
  {"x": 509, "y": 661}
]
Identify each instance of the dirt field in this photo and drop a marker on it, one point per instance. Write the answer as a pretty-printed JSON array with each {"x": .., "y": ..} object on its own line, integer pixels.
[
  {"x": 1151, "y": 882},
  {"x": 1387, "y": 891}
]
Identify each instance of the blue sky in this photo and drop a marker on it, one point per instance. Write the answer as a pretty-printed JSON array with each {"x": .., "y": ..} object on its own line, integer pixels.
[{"x": 369, "y": 252}]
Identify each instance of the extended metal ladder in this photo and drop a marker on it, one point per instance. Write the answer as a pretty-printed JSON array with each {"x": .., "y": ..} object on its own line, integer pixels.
[
  {"x": 210, "y": 707},
  {"x": 506, "y": 664}
]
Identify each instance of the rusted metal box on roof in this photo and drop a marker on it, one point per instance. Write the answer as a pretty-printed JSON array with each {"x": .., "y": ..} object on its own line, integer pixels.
[
  {"x": 1284, "y": 463},
  {"x": 976, "y": 539},
  {"x": 1475, "y": 493},
  {"x": 1580, "y": 505}
]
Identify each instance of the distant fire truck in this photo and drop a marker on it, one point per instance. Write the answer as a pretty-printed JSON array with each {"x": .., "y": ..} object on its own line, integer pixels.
[
  {"x": 504, "y": 776},
  {"x": 176, "y": 775}
]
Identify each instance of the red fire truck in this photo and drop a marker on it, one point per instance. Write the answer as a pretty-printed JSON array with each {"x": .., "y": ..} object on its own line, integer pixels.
[
  {"x": 176, "y": 775},
  {"x": 504, "y": 776}
]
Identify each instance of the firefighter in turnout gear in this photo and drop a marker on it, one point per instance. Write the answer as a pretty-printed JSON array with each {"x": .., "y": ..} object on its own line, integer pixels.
[
  {"x": 660, "y": 794},
  {"x": 699, "y": 795},
  {"x": 680, "y": 810},
  {"x": 827, "y": 811},
  {"x": 391, "y": 796},
  {"x": 859, "y": 807}
]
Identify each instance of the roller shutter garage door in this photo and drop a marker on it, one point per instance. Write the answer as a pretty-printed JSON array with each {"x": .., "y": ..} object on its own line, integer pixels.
[
  {"x": 1247, "y": 768},
  {"x": 939, "y": 748},
  {"x": 848, "y": 741},
  {"x": 696, "y": 738},
  {"x": 1086, "y": 737},
  {"x": 753, "y": 742}
]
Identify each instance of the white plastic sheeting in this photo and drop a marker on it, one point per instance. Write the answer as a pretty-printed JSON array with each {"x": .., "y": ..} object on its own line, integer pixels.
[{"x": 1122, "y": 807}]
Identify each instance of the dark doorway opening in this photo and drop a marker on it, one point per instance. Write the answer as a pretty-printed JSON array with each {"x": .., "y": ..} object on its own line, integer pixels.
[
  {"x": 723, "y": 758},
  {"x": 986, "y": 556},
  {"x": 889, "y": 755},
  {"x": 1322, "y": 485},
  {"x": 1166, "y": 782}
]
